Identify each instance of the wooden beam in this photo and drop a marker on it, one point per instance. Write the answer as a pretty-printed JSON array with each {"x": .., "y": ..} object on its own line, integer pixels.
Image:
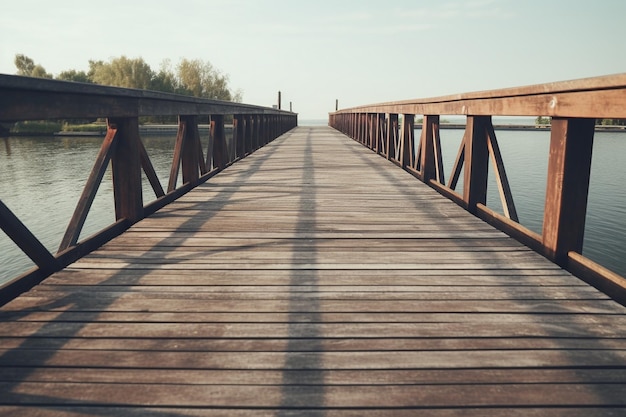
[
  {"x": 506, "y": 196},
  {"x": 600, "y": 97},
  {"x": 126, "y": 170},
  {"x": 431, "y": 163},
  {"x": 148, "y": 169},
  {"x": 458, "y": 164},
  {"x": 220, "y": 151},
  {"x": 176, "y": 158},
  {"x": 569, "y": 167},
  {"x": 26, "y": 241},
  {"x": 476, "y": 162},
  {"x": 190, "y": 147},
  {"x": 406, "y": 146},
  {"x": 392, "y": 135},
  {"x": 90, "y": 190},
  {"x": 26, "y": 98}
]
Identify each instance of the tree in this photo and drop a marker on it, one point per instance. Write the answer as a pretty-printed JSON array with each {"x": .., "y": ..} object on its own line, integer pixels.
[
  {"x": 27, "y": 67},
  {"x": 73, "y": 75},
  {"x": 165, "y": 80},
  {"x": 122, "y": 72},
  {"x": 200, "y": 79},
  {"x": 541, "y": 120},
  {"x": 191, "y": 77}
]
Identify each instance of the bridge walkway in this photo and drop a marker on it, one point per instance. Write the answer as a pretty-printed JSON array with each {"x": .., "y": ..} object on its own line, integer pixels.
[{"x": 312, "y": 278}]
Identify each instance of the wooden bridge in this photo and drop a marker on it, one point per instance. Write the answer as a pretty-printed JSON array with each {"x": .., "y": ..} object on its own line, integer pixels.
[{"x": 313, "y": 276}]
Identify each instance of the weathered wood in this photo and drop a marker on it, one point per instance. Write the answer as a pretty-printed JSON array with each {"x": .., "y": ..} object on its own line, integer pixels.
[
  {"x": 85, "y": 201},
  {"x": 599, "y": 97},
  {"x": 506, "y": 196},
  {"x": 458, "y": 163},
  {"x": 191, "y": 155},
  {"x": 431, "y": 160},
  {"x": 392, "y": 136},
  {"x": 126, "y": 171},
  {"x": 177, "y": 156},
  {"x": 310, "y": 278},
  {"x": 69, "y": 100},
  {"x": 25, "y": 240},
  {"x": 407, "y": 144},
  {"x": 220, "y": 150},
  {"x": 476, "y": 162},
  {"x": 148, "y": 169},
  {"x": 569, "y": 168}
]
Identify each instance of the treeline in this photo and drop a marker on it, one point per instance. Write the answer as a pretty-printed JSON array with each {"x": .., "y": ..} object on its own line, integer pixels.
[
  {"x": 189, "y": 77},
  {"x": 541, "y": 120}
]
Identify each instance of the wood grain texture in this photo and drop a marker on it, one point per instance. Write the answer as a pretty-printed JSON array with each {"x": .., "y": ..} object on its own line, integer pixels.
[{"x": 313, "y": 278}]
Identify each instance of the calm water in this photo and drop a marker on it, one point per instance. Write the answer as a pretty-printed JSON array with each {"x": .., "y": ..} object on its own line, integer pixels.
[{"x": 41, "y": 180}]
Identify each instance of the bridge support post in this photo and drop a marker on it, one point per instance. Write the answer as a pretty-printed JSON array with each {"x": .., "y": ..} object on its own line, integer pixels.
[
  {"x": 191, "y": 150},
  {"x": 431, "y": 160},
  {"x": 476, "y": 162},
  {"x": 220, "y": 151},
  {"x": 392, "y": 135},
  {"x": 239, "y": 135},
  {"x": 408, "y": 135},
  {"x": 569, "y": 168},
  {"x": 126, "y": 170},
  {"x": 248, "y": 147}
]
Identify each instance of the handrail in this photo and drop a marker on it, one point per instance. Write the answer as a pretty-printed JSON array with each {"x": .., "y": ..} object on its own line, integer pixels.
[
  {"x": 23, "y": 98},
  {"x": 388, "y": 129}
]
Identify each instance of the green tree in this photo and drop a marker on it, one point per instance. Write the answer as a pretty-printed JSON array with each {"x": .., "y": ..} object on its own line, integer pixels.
[
  {"x": 73, "y": 75},
  {"x": 165, "y": 80},
  {"x": 27, "y": 67},
  {"x": 611, "y": 122},
  {"x": 541, "y": 120},
  {"x": 191, "y": 77},
  {"x": 201, "y": 79},
  {"x": 122, "y": 72}
]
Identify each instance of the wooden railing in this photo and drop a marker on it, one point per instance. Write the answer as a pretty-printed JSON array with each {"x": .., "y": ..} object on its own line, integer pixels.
[
  {"x": 24, "y": 98},
  {"x": 388, "y": 129}
]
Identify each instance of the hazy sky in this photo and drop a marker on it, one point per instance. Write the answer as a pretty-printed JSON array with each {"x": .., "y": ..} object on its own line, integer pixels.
[{"x": 317, "y": 51}]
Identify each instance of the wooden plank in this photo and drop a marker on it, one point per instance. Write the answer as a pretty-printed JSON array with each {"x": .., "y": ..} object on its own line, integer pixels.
[
  {"x": 313, "y": 278},
  {"x": 114, "y": 411},
  {"x": 387, "y": 396},
  {"x": 569, "y": 169},
  {"x": 601, "y": 97}
]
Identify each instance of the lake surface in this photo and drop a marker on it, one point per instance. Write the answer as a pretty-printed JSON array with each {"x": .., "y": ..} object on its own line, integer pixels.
[{"x": 41, "y": 179}]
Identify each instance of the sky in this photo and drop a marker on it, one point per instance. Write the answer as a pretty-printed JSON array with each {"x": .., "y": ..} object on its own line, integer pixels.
[{"x": 316, "y": 51}]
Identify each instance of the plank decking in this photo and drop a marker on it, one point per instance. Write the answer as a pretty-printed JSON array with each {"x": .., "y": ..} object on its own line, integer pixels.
[{"x": 312, "y": 278}]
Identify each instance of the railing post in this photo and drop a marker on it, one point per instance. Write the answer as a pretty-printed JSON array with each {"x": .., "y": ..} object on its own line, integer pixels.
[
  {"x": 476, "y": 162},
  {"x": 256, "y": 132},
  {"x": 239, "y": 135},
  {"x": 126, "y": 170},
  {"x": 431, "y": 161},
  {"x": 392, "y": 133},
  {"x": 220, "y": 151},
  {"x": 248, "y": 148},
  {"x": 407, "y": 145},
  {"x": 189, "y": 152},
  {"x": 569, "y": 167}
]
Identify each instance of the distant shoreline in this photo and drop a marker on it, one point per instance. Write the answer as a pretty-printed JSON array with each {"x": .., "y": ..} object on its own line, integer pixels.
[
  {"x": 546, "y": 128},
  {"x": 172, "y": 129}
]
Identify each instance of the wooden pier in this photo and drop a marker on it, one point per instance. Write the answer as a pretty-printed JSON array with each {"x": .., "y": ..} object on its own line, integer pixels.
[{"x": 313, "y": 278}]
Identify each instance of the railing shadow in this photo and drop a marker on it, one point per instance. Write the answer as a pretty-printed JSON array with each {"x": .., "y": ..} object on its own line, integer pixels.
[
  {"x": 560, "y": 334},
  {"x": 311, "y": 361},
  {"x": 69, "y": 303}
]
